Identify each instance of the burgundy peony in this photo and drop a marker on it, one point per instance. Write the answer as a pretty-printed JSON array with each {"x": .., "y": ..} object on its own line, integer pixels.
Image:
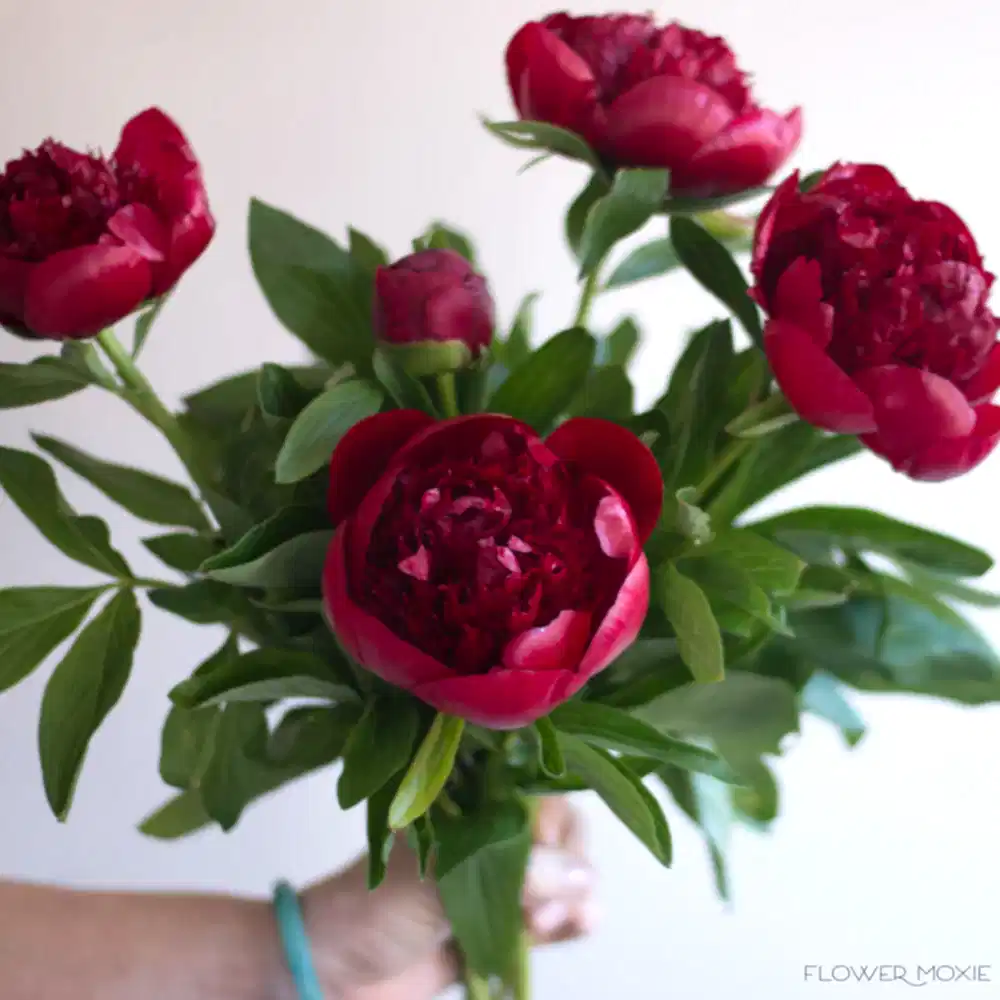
[
  {"x": 486, "y": 571},
  {"x": 433, "y": 297},
  {"x": 879, "y": 323},
  {"x": 644, "y": 96},
  {"x": 84, "y": 240}
]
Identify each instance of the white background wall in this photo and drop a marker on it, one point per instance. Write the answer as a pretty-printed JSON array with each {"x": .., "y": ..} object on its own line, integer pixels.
[{"x": 365, "y": 112}]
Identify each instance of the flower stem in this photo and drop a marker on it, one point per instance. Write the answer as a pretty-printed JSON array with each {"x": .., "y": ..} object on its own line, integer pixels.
[
  {"x": 730, "y": 455},
  {"x": 476, "y": 987},
  {"x": 586, "y": 299},
  {"x": 522, "y": 977},
  {"x": 448, "y": 395},
  {"x": 141, "y": 396}
]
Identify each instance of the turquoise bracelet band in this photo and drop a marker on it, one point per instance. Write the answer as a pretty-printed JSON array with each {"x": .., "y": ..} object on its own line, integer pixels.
[{"x": 295, "y": 942}]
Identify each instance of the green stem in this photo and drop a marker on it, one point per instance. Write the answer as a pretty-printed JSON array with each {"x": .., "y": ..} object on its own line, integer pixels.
[
  {"x": 730, "y": 455},
  {"x": 476, "y": 987},
  {"x": 587, "y": 299},
  {"x": 448, "y": 394},
  {"x": 522, "y": 979},
  {"x": 141, "y": 396}
]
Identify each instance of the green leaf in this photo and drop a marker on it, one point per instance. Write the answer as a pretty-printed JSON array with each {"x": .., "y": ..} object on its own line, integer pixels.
[
  {"x": 699, "y": 641},
  {"x": 149, "y": 497},
  {"x": 204, "y": 602},
  {"x": 23, "y": 649},
  {"x": 863, "y": 530},
  {"x": 181, "y": 551},
  {"x": 696, "y": 206},
  {"x": 34, "y": 607},
  {"x": 279, "y": 394},
  {"x": 517, "y": 347},
  {"x": 651, "y": 260},
  {"x": 366, "y": 251},
  {"x": 379, "y": 747},
  {"x": 406, "y": 391},
  {"x": 615, "y": 729},
  {"x": 31, "y": 484},
  {"x": 186, "y": 745},
  {"x": 765, "y": 417},
  {"x": 442, "y": 237},
  {"x": 380, "y": 835},
  {"x": 597, "y": 187},
  {"x": 549, "y": 752},
  {"x": 312, "y": 736},
  {"x": 83, "y": 689},
  {"x": 617, "y": 348},
  {"x": 144, "y": 323},
  {"x": 542, "y": 135},
  {"x": 295, "y": 564},
  {"x": 228, "y": 401},
  {"x": 539, "y": 390},
  {"x": 771, "y": 567},
  {"x": 318, "y": 290},
  {"x": 634, "y": 198},
  {"x": 180, "y": 816},
  {"x": 824, "y": 697},
  {"x": 282, "y": 526},
  {"x": 607, "y": 394},
  {"x": 234, "y": 776},
  {"x": 320, "y": 426},
  {"x": 265, "y": 675},
  {"x": 429, "y": 772},
  {"x": 623, "y": 792},
  {"x": 745, "y": 710},
  {"x": 421, "y": 837},
  {"x": 943, "y": 586},
  {"x": 482, "y": 857},
  {"x": 83, "y": 357},
  {"x": 713, "y": 267},
  {"x": 39, "y": 381}
]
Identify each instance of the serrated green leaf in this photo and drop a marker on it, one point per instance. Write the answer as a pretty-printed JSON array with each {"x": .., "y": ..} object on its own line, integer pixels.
[
  {"x": 148, "y": 497},
  {"x": 320, "y": 426},
  {"x": 81, "y": 692},
  {"x": 31, "y": 485}
]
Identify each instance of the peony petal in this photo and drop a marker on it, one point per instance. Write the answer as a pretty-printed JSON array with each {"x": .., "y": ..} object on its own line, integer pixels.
[
  {"x": 799, "y": 300},
  {"x": 76, "y": 293},
  {"x": 787, "y": 191},
  {"x": 744, "y": 155},
  {"x": 189, "y": 236},
  {"x": 14, "y": 275},
  {"x": 616, "y": 456},
  {"x": 620, "y": 626},
  {"x": 818, "y": 389},
  {"x": 952, "y": 457},
  {"x": 363, "y": 454},
  {"x": 373, "y": 645},
  {"x": 913, "y": 410},
  {"x": 875, "y": 178},
  {"x": 500, "y": 699},
  {"x": 664, "y": 121},
  {"x": 556, "y": 646},
  {"x": 138, "y": 227},
  {"x": 984, "y": 384},
  {"x": 147, "y": 138},
  {"x": 548, "y": 80}
]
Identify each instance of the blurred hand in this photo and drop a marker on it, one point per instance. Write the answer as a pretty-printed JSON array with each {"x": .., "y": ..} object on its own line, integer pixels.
[{"x": 395, "y": 943}]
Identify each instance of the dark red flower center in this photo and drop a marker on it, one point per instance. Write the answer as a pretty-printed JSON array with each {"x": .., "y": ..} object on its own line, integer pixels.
[
  {"x": 474, "y": 549},
  {"x": 54, "y": 199},
  {"x": 904, "y": 278},
  {"x": 627, "y": 49}
]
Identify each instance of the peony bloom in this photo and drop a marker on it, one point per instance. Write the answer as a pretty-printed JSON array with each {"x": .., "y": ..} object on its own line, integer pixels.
[
  {"x": 879, "y": 323},
  {"x": 486, "y": 571},
  {"x": 85, "y": 240},
  {"x": 644, "y": 96},
  {"x": 433, "y": 297}
]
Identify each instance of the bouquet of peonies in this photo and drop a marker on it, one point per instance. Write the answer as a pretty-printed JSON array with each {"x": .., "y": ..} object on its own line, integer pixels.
[{"x": 454, "y": 558}]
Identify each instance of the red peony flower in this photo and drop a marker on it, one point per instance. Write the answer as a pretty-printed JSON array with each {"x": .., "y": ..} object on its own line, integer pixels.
[
  {"x": 85, "y": 240},
  {"x": 486, "y": 571},
  {"x": 879, "y": 323},
  {"x": 644, "y": 96},
  {"x": 433, "y": 297}
]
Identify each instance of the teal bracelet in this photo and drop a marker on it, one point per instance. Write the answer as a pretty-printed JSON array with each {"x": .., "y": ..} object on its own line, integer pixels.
[{"x": 295, "y": 942}]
